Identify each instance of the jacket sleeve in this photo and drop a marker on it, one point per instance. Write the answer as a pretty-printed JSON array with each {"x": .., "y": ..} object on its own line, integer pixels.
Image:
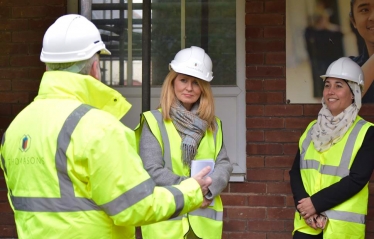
[
  {"x": 296, "y": 181},
  {"x": 221, "y": 174},
  {"x": 151, "y": 154},
  {"x": 123, "y": 189}
]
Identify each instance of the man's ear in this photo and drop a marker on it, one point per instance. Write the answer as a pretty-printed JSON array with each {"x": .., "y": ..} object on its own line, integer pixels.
[{"x": 95, "y": 70}]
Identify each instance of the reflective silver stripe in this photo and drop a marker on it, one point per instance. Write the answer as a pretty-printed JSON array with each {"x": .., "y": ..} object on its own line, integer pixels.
[
  {"x": 208, "y": 213},
  {"x": 68, "y": 202},
  {"x": 346, "y": 216},
  {"x": 309, "y": 164},
  {"x": 165, "y": 139},
  {"x": 2, "y": 158},
  {"x": 178, "y": 198},
  {"x": 178, "y": 218},
  {"x": 129, "y": 198},
  {"x": 343, "y": 169}
]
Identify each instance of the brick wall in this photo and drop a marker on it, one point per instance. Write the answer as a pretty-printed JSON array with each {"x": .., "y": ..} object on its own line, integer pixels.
[
  {"x": 260, "y": 208},
  {"x": 22, "y": 26}
]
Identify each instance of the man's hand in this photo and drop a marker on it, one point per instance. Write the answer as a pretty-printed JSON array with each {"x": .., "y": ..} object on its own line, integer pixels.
[{"x": 204, "y": 182}]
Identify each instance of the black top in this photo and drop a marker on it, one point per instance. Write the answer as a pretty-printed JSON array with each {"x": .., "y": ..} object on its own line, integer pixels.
[
  {"x": 359, "y": 175},
  {"x": 360, "y": 60}
]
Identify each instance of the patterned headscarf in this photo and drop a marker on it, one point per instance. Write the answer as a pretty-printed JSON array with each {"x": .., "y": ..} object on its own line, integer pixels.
[{"x": 329, "y": 129}]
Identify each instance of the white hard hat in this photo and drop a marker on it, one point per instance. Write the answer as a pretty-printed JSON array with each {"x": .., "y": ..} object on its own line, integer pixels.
[
  {"x": 193, "y": 61},
  {"x": 345, "y": 68},
  {"x": 71, "y": 38}
]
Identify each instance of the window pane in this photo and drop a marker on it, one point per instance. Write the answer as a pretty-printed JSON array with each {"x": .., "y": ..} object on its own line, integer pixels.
[{"x": 210, "y": 24}]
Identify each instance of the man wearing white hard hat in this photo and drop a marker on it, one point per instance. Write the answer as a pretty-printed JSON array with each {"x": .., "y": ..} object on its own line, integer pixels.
[
  {"x": 332, "y": 168},
  {"x": 70, "y": 165},
  {"x": 182, "y": 133}
]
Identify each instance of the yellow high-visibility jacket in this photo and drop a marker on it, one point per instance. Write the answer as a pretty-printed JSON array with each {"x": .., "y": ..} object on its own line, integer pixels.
[
  {"x": 72, "y": 169},
  {"x": 322, "y": 169},
  {"x": 206, "y": 223}
]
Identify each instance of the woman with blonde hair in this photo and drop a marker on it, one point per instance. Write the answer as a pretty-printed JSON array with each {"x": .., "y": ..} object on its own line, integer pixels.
[{"x": 184, "y": 132}]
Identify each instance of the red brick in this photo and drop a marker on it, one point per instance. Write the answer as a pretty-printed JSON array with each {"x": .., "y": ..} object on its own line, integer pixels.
[
  {"x": 264, "y": 97},
  {"x": 234, "y": 200},
  {"x": 235, "y": 225},
  {"x": 254, "y": 59},
  {"x": 9, "y": 97},
  {"x": 5, "y": 109},
  {"x": 13, "y": 49},
  {"x": 4, "y": 61},
  {"x": 36, "y": 73},
  {"x": 5, "y": 37},
  {"x": 28, "y": 36},
  {"x": 266, "y": 201},
  {"x": 25, "y": 85},
  {"x": 264, "y": 71},
  {"x": 273, "y": 58},
  {"x": 5, "y": 12},
  {"x": 254, "y": 32},
  {"x": 255, "y": 136},
  {"x": 298, "y": 123},
  {"x": 13, "y": 24},
  {"x": 255, "y": 161},
  {"x": 261, "y": 46},
  {"x": 25, "y": 61},
  {"x": 246, "y": 213},
  {"x": 254, "y": 84},
  {"x": 312, "y": 110},
  {"x": 264, "y": 19},
  {"x": 255, "y": 110},
  {"x": 254, "y": 7},
  {"x": 244, "y": 235},
  {"x": 5, "y": 85},
  {"x": 248, "y": 187},
  {"x": 275, "y": 6},
  {"x": 282, "y": 136},
  {"x": 267, "y": 225},
  {"x": 265, "y": 122},
  {"x": 279, "y": 188},
  {"x": 4, "y": 123},
  {"x": 283, "y": 110},
  {"x": 265, "y": 175},
  {"x": 8, "y": 231},
  {"x": 291, "y": 149},
  {"x": 29, "y": 12},
  {"x": 5, "y": 207},
  {"x": 12, "y": 73},
  {"x": 280, "y": 213},
  {"x": 275, "y": 84},
  {"x": 35, "y": 49},
  {"x": 283, "y": 161},
  {"x": 7, "y": 219},
  {"x": 274, "y": 32},
  {"x": 16, "y": 108}
]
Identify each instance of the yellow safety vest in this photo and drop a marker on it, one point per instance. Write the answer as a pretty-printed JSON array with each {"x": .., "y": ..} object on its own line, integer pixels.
[
  {"x": 322, "y": 169},
  {"x": 206, "y": 223},
  {"x": 72, "y": 169}
]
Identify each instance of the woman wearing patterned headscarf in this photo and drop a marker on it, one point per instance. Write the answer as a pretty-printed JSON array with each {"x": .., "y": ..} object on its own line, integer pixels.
[
  {"x": 183, "y": 131},
  {"x": 331, "y": 171}
]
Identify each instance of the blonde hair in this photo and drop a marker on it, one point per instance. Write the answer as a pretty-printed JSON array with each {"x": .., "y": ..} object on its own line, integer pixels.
[{"x": 206, "y": 107}]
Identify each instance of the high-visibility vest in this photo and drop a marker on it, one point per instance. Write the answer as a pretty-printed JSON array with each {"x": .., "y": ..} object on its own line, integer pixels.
[
  {"x": 322, "y": 169},
  {"x": 206, "y": 223},
  {"x": 72, "y": 169}
]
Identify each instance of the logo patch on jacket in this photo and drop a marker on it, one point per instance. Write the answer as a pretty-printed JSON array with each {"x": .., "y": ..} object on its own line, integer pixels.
[{"x": 25, "y": 143}]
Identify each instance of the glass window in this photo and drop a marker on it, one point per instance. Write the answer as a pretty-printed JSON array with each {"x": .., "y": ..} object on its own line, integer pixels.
[{"x": 176, "y": 24}]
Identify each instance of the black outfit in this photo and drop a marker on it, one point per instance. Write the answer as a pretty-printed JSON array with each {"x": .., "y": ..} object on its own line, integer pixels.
[
  {"x": 359, "y": 175},
  {"x": 323, "y": 46},
  {"x": 360, "y": 60}
]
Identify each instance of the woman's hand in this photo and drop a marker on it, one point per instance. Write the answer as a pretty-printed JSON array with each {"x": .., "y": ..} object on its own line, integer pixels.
[
  {"x": 312, "y": 222},
  {"x": 206, "y": 203},
  {"x": 306, "y": 208}
]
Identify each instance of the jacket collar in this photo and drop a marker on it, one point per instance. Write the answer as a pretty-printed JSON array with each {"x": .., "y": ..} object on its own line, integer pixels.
[{"x": 84, "y": 88}]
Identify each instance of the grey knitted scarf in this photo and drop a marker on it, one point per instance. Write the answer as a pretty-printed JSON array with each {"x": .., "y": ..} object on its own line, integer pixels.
[{"x": 190, "y": 127}]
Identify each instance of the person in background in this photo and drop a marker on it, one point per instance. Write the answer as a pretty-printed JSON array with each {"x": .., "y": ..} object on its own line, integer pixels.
[
  {"x": 70, "y": 166},
  {"x": 181, "y": 132},
  {"x": 362, "y": 17},
  {"x": 330, "y": 174}
]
